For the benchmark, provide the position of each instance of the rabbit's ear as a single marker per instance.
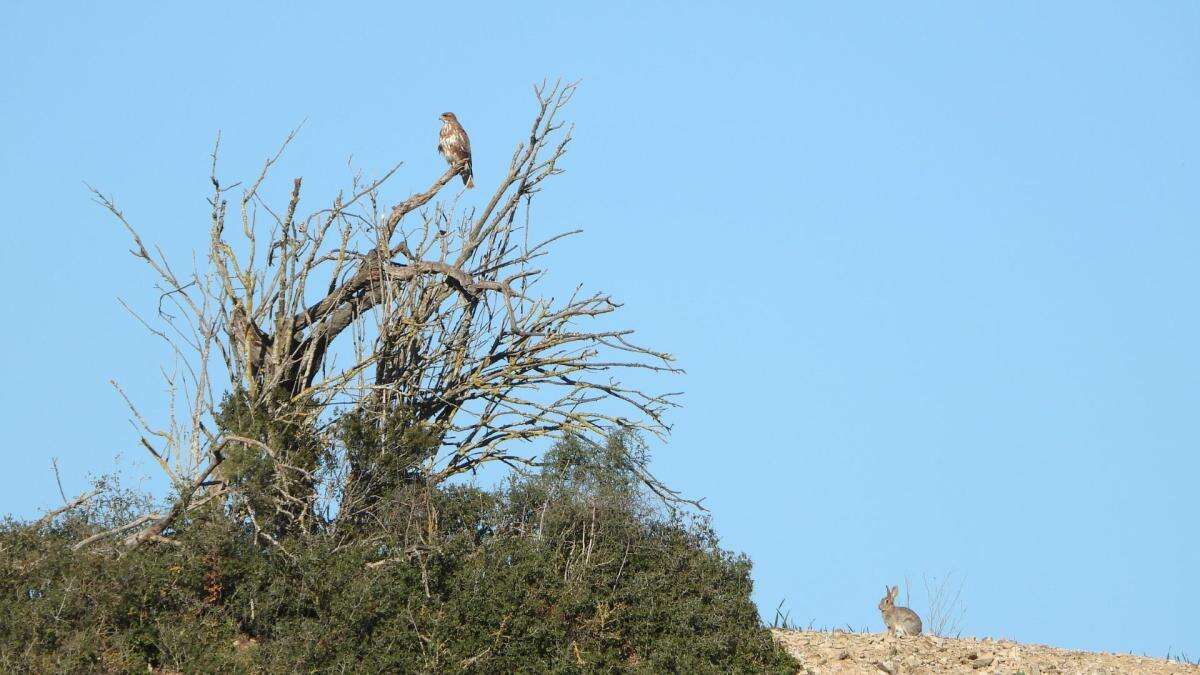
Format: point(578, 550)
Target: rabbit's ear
point(894, 592)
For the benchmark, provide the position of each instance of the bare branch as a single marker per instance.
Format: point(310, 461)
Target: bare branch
point(181, 504)
point(76, 502)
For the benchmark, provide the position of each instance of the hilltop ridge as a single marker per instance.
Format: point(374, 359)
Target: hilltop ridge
point(845, 653)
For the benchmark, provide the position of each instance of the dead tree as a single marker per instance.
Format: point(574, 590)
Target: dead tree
point(423, 321)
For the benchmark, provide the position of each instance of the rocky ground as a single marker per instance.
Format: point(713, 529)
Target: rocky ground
point(822, 652)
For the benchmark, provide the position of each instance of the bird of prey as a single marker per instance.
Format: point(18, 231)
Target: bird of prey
point(456, 147)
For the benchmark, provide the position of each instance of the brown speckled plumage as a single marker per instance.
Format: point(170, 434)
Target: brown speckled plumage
point(455, 146)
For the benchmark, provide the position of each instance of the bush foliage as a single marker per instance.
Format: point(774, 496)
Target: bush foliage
point(571, 569)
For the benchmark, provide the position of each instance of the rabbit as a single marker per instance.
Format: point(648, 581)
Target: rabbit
point(899, 620)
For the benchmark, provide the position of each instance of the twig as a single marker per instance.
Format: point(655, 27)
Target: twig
point(50, 516)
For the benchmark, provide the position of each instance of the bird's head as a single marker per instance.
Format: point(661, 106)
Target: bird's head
point(448, 117)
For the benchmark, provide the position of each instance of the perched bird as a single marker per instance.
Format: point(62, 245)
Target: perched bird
point(456, 147)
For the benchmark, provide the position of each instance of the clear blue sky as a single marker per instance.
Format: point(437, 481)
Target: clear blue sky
point(931, 267)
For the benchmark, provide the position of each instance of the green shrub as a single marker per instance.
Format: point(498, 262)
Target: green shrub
point(572, 569)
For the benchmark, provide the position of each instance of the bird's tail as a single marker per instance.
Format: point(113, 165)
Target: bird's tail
point(468, 178)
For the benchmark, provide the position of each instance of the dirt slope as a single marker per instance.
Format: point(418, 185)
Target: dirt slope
point(874, 653)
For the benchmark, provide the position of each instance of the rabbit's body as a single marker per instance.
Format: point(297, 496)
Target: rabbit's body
point(899, 620)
